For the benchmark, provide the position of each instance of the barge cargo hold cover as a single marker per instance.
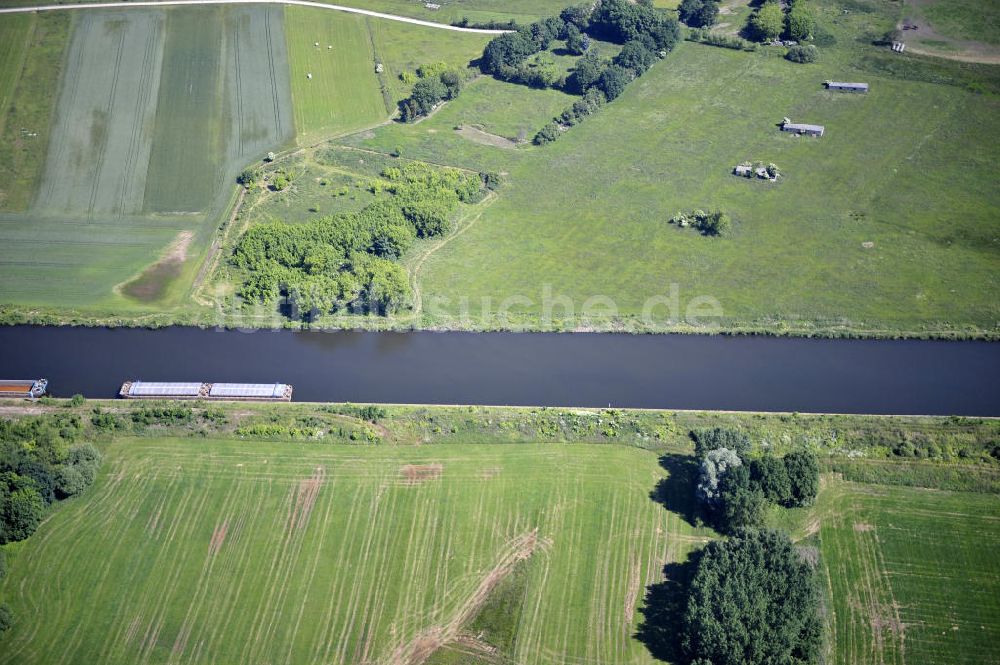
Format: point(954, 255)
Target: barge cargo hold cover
point(33, 388)
point(247, 392)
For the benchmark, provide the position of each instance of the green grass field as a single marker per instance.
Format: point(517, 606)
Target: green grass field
point(964, 19)
point(157, 112)
point(533, 529)
point(15, 40)
point(401, 47)
point(913, 574)
point(343, 94)
point(32, 63)
point(886, 224)
point(211, 551)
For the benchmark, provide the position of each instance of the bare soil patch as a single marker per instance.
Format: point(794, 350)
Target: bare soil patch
point(152, 284)
point(414, 474)
point(477, 135)
point(306, 493)
point(862, 527)
point(218, 537)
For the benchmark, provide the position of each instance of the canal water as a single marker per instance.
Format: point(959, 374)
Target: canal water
point(651, 371)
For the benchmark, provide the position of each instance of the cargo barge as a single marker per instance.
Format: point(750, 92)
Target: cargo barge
point(29, 388)
point(242, 392)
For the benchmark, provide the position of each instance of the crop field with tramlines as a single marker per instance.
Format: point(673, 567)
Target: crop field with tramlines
point(913, 574)
point(156, 112)
point(208, 552)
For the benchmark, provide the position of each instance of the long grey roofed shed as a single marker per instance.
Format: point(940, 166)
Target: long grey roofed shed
point(852, 87)
point(801, 128)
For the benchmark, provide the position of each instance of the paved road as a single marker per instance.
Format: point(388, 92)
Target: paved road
point(301, 3)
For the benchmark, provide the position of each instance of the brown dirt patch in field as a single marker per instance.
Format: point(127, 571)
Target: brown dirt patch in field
point(414, 474)
point(152, 284)
point(421, 647)
point(490, 472)
point(632, 592)
point(477, 135)
point(306, 493)
point(863, 527)
point(218, 537)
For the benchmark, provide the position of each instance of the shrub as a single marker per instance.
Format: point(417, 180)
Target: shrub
point(613, 80)
point(547, 134)
point(249, 176)
point(77, 400)
point(705, 36)
point(770, 475)
point(803, 477)
point(371, 413)
point(6, 618)
point(706, 440)
point(107, 421)
point(802, 54)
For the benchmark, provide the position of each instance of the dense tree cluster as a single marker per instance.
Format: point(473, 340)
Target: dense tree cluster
point(40, 464)
point(769, 22)
point(437, 82)
point(347, 261)
point(737, 488)
point(644, 32)
point(753, 600)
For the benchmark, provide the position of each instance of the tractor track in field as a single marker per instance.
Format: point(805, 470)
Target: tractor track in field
point(300, 3)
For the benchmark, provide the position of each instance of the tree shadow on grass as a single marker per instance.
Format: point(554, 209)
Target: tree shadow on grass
point(662, 626)
point(676, 492)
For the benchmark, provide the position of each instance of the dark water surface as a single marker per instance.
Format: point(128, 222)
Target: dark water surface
point(654, 371)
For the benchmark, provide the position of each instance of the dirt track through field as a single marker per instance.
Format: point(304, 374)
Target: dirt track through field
point(421, 647)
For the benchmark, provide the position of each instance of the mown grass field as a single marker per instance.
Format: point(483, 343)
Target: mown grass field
point(402, 47)
point(343, 93)
point(229, 551)
point(886, 224)
point(963, 19)
point(32, 61)
point(15, 38)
